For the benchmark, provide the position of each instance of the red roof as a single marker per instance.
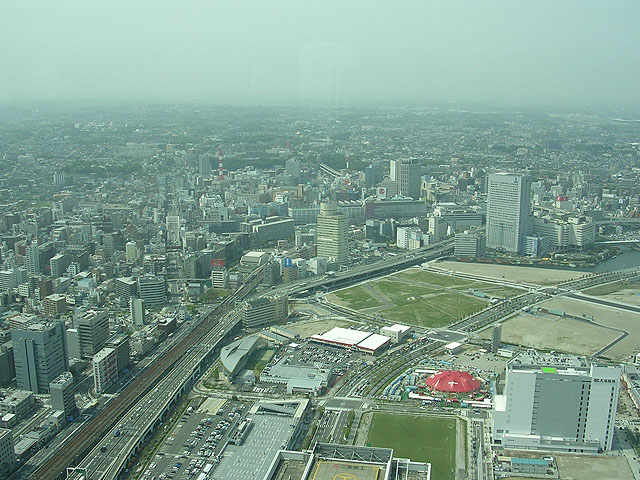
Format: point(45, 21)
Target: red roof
point(453, 381)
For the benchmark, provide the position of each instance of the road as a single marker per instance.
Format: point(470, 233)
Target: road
point(177, 366)
point(103, 425)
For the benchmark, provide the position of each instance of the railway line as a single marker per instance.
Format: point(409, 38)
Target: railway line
point(85, 439)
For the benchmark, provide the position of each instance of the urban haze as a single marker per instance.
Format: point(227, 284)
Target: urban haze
point(319, 240)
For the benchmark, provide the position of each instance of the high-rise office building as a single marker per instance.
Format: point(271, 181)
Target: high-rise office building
point(508, 212)
point(410, 174)
point(7, 454)
point(373, 174)
point(93, 331)
point(332, 233)
point(131, 252)
point(153, 290)
point(394, 170)
point(59, 264)
point(105, 369)
point(204, 165)
point(63, 395)
point(120, 343)
point(126, 287)
point(496, 337)
point(109, 244)
point(40, 354)
point(32, 259)
point(136, 309)
point(557, 402)
point(265, 310)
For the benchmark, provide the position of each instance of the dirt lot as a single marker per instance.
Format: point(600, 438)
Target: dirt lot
point(579, 467)
point(613, 317)
point(552, 332)
point(630, 296)
point(539, 276)
point(306, 328)
point(587, 467)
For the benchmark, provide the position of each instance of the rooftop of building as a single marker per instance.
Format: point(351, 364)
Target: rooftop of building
point(551, 360)
point(397, 328)
point(102, 354)
point(231, 355)
point(39, 325)
point(62, 379)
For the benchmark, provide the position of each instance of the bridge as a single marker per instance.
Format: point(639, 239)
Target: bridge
point(328, 170)
point(105, 445)
point(618, 242)
point(617, 221)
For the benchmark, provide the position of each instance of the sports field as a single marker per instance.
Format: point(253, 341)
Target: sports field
point(418, 297)
point(418, 437)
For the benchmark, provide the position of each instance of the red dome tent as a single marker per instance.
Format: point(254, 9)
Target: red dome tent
point(453, 381)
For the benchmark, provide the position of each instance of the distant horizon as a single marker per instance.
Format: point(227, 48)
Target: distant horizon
point(472, 107)
point(540, 54)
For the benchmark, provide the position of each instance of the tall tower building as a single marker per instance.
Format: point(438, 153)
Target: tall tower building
point(508, 212)
point(204, 165)
point(557, 402)
point(496, 337)
point(105, 369)
point(394, 170)
point(93, 331)
point(332, 231)
point(8, 461)
point(40, 355)
point(63, 395)
point(409, 182)
point(32, 259)
point(136, 308)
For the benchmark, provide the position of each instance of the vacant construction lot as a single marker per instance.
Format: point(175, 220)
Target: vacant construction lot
point(612, 317)
point(554, 333)
point(514, 273)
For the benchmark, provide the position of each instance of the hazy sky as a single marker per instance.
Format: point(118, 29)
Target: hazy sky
point(583, 53)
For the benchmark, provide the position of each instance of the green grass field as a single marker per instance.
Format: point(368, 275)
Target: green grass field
point(357, 298)
point(423, 298)
point(420, 438)
point(435, 311)
point(461, 284)
point(434, 278)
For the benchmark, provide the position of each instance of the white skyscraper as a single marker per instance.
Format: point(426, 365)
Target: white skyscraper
point(394, 170)
point(557, 402)
point(508, 212)
point(31, 259)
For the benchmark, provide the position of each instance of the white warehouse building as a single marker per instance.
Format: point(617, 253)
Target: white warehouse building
point(557, 402)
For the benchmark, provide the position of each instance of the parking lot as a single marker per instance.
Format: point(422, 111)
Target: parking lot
point(195, 444)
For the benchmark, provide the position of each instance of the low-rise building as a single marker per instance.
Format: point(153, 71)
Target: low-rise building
point(396, 332)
